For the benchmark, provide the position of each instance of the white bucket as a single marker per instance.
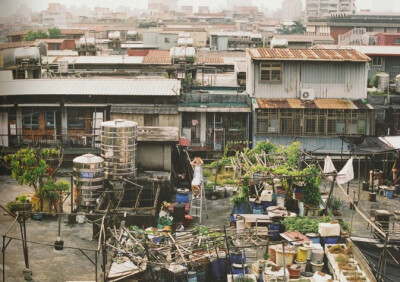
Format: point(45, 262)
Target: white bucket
point(80, 217)
point(280, 201)
point(302, 265)
point(317, 256)
point(289, 255)
point(317, 266)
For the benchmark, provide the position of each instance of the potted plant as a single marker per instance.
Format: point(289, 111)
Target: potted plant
point(21, 203)
point(52, 191)
point(336, 203)
point(240, 200)
point(35, 167)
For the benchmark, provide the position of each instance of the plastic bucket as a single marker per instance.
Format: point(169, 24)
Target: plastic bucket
point(80, 217)
point(280, 200)
point(330, 239)
point(389, 193)
point(317, 256)
point(302, 265)
point(182, 196)
point(317, 266)
point(272, 253)
point(258, 209)
point(192, 277)
point(314, 237)
point(289, 255)
point(238, 268)
point(397, 189)
point(241, 209)
point(218, 268)
point(302, 253)
point(294, 271)
point(266, 204)
point(179, 212)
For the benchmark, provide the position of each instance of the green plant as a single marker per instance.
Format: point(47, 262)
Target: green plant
point(53, 190)
point(229, 181)
point(265, 256)
point(19, 204)
point(33, 35)
point(244, 279)
point(336, 203)
point(342, 259)
point(304, 224)
point(344, 225)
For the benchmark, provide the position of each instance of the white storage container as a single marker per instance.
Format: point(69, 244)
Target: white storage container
point(266, 195)
point(329, 229)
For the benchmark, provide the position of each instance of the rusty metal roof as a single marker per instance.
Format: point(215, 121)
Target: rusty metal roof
point(307, 54)
point(327, 104)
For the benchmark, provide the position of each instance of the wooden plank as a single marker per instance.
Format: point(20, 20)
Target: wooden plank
point(158, 133)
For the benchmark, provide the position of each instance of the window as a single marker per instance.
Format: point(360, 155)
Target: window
point(270, 72)
point(166, 40)
point(30, 118)
point(397, 41)
point(76, 117)
point(376, 61)
point(49, 118)
point(151, 120)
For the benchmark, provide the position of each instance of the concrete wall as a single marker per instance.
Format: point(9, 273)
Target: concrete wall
point(163, 120)
point(154, 156)
point(171, 37)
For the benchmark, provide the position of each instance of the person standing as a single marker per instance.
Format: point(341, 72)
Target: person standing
point(197, 165)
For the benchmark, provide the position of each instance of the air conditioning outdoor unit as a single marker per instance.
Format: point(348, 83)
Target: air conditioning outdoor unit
point(307, 94)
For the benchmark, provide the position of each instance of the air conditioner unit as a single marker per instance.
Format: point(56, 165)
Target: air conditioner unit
point(307, 94)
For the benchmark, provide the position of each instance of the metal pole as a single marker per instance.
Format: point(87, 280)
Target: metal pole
point(3, 250)
point(352, 213)
point(95, 265)
point(72, 193)
point(229, 255)
point(284, 262)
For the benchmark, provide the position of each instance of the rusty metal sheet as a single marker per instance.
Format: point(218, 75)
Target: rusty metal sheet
point(326, 104)
point(307, 54)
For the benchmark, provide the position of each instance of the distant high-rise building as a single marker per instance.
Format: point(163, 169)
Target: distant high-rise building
point(163, 5)
point(291, 10)
point(324, 8)
point(204, 10)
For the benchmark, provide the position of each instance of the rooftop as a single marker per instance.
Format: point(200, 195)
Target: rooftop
point(369, 50)
point(121, 87)
point(337, 55)
point(303, 38)
point(326, 104)
point(16, 44)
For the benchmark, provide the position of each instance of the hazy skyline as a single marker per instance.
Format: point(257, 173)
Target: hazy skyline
point(9, 7)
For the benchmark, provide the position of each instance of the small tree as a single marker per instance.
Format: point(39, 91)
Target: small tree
point(33, 35)
point(54, 32)
point(36, 167)
point(298, 28)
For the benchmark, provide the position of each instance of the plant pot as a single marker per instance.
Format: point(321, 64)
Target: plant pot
point(336, 213)
point(37, 216)
point(59, 245)
point(27, 274)
point(372, 197)
point(294, 271)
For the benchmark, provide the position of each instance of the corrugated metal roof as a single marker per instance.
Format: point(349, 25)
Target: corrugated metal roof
point(366, 49)
point(125, 87)
point(157, 57)
point(307, 54)
point(327, 104)
point(303, 38)
point(100, 60)
point(145, 109)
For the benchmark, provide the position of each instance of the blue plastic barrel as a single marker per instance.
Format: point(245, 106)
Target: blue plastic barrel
point(238, 269)
point(182, 197)
point(241, 209)
point(192, 276)
point(389, 194)
point(330, 240)
point(274, 229)
point(218, 269)
point(267, 204)
point(237, 258)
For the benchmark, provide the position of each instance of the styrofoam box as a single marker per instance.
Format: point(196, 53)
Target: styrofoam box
point(328, 229)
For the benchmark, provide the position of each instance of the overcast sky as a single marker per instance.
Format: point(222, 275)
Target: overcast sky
point(8, 7)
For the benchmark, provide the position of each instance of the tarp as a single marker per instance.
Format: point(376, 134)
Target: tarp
point(372, 145)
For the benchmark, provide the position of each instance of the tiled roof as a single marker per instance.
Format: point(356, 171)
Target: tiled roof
point(157, 57)
point(327, 104)
point(307, 54)
point(16, 44)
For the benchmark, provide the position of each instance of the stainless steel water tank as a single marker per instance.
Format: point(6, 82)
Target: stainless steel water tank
point(88, 179)
point(27, 54)
point(398, 83)
point(383, 81)
point(118, 148)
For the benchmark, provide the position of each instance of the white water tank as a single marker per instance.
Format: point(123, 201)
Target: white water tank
point(182, 52)
point(114, 35)
point(27, 54)
point(383, 81)
point(86, 41)
point(398, 83)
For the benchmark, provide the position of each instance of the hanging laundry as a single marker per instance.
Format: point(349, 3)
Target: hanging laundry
point(347, 172)
point(329, 167)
